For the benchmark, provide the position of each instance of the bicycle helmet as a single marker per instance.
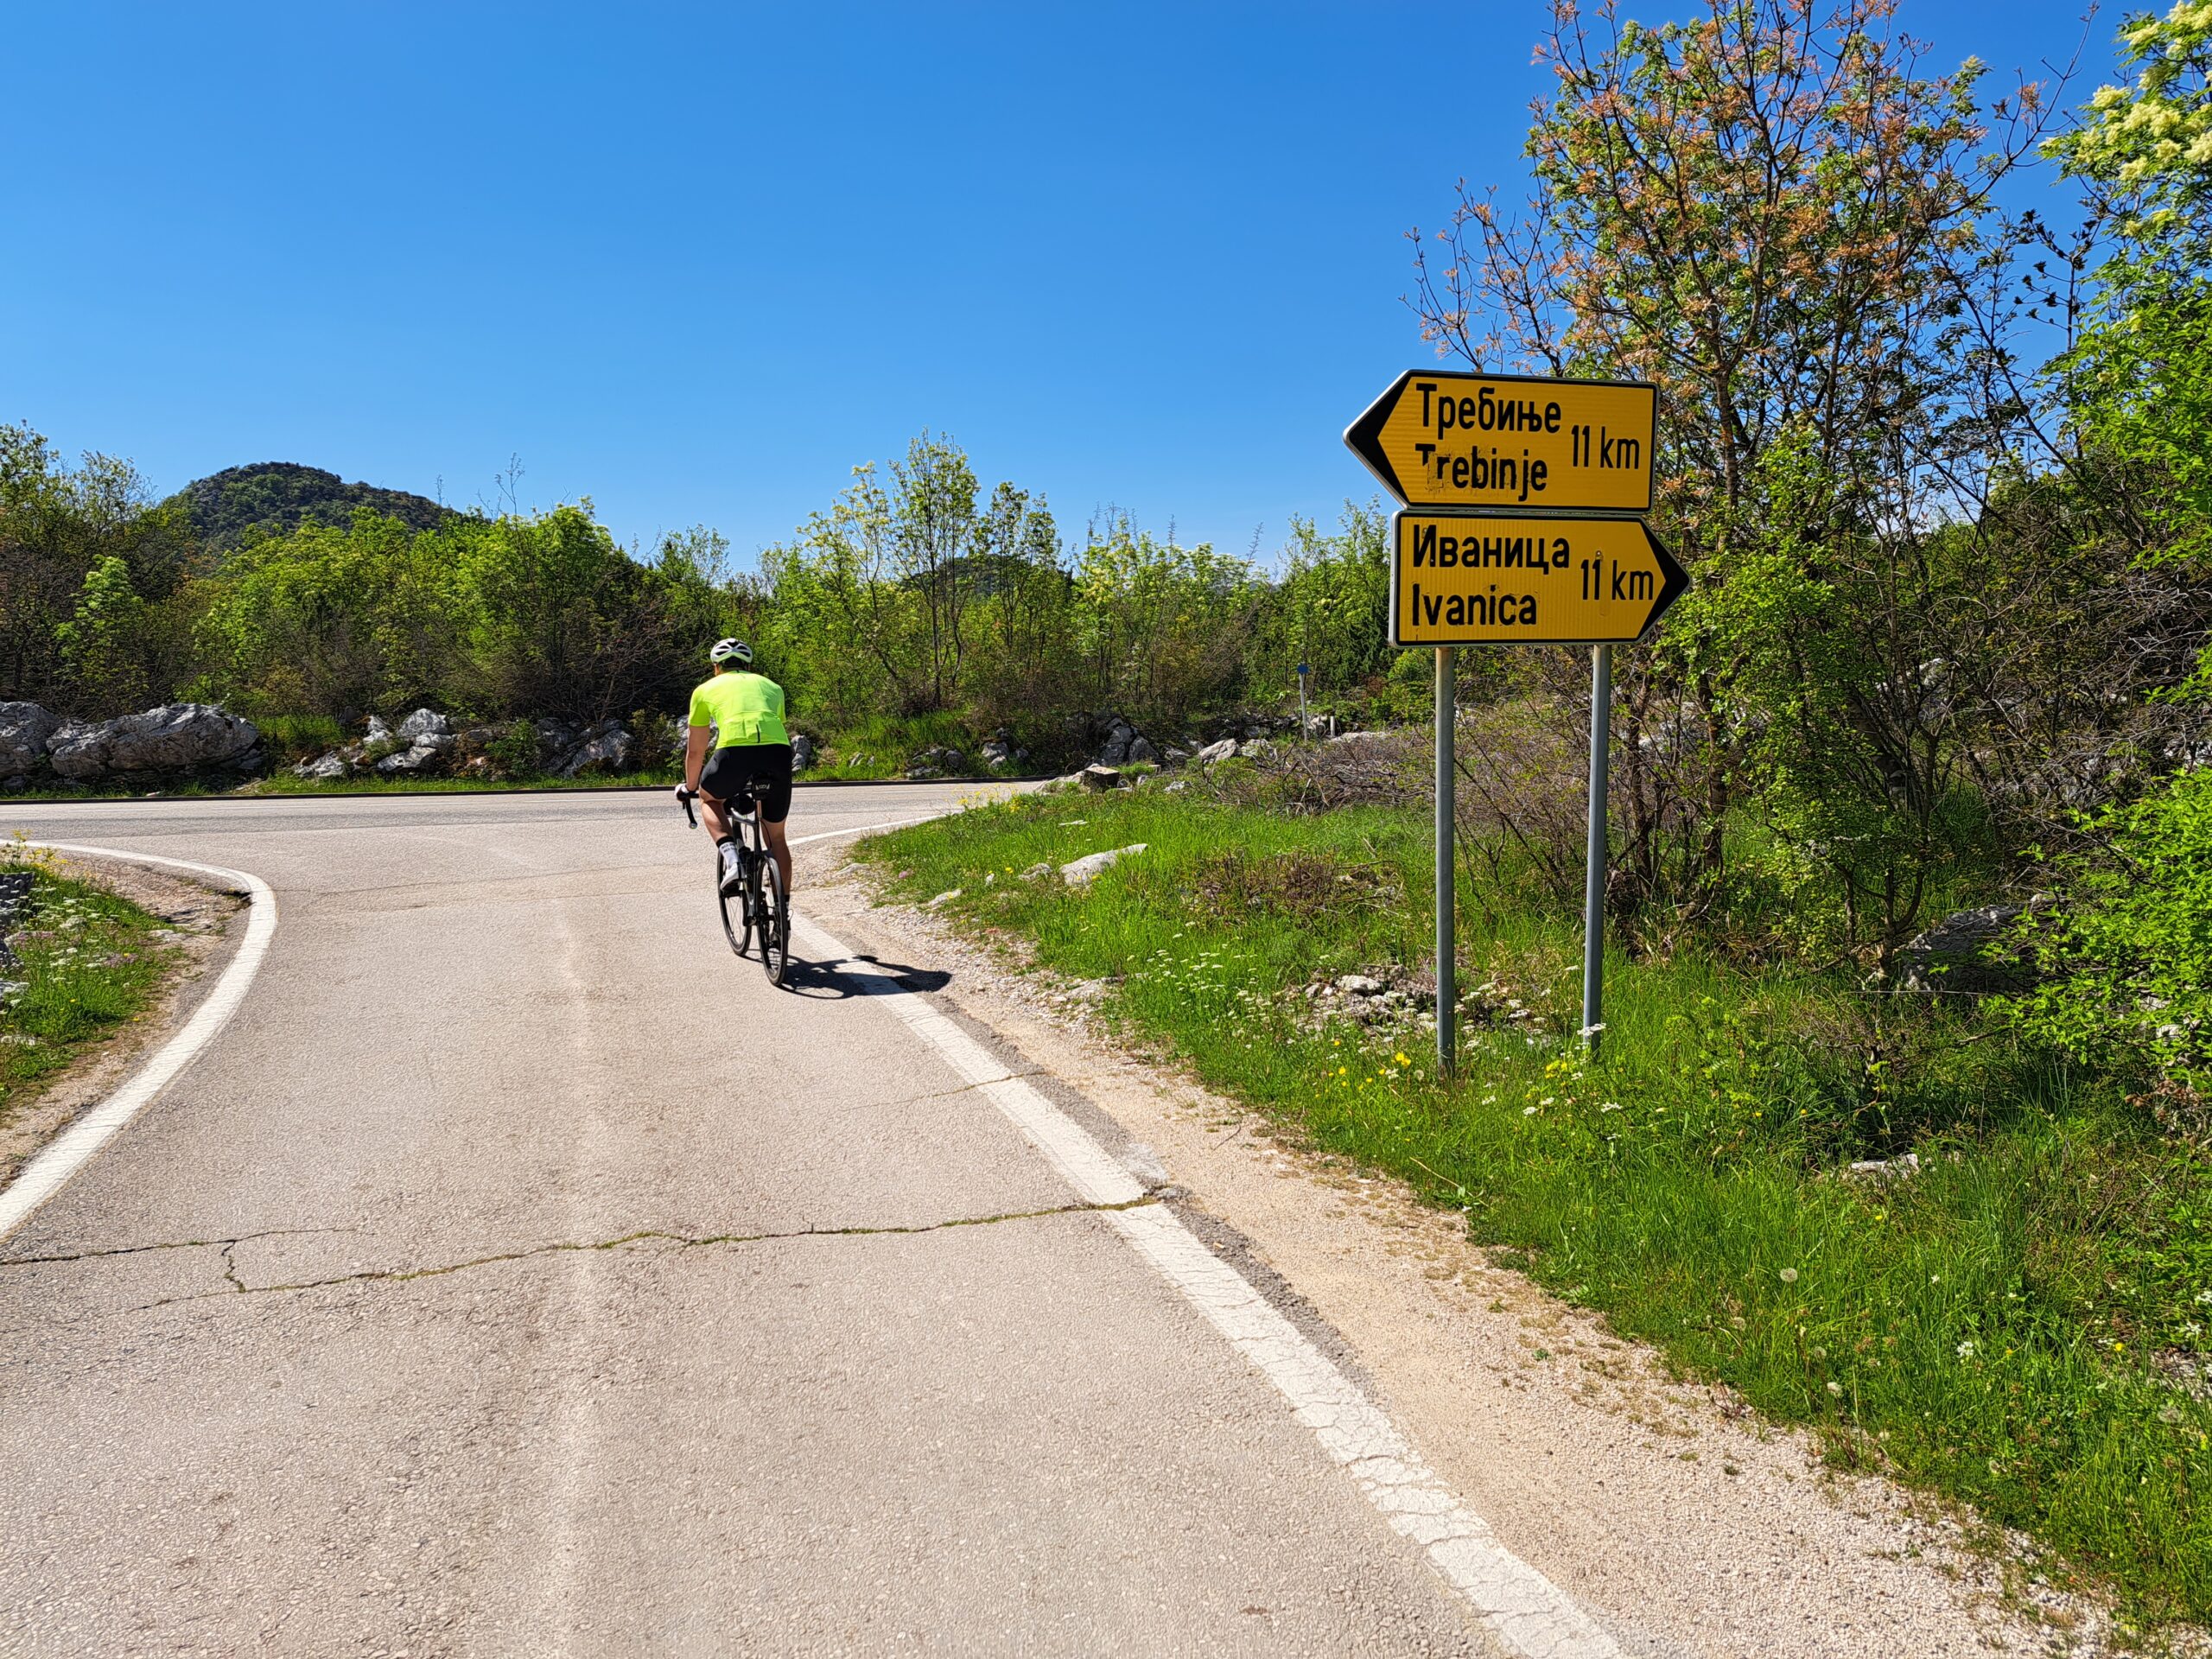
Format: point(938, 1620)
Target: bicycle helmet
point(731, 651)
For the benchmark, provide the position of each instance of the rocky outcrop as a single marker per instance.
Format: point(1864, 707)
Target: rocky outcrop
point(1971, 951)
point(801, 751)
point(175, 737)
point(430, 741)
point(601, 748)
point(24, 727)
point(427, 745)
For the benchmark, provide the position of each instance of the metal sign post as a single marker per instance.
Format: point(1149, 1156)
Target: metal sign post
point(1593, 884)
point(1447, 946)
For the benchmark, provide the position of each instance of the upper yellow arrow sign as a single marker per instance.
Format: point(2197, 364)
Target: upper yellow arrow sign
point(1447, 440)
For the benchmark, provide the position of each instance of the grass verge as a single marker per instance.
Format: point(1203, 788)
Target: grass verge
point(2018, 1322)
point(89, 964)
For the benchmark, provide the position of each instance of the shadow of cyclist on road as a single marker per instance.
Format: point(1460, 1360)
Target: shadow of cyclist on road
point(823, 982)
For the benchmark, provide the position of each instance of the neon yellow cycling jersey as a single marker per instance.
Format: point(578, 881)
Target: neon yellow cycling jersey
point(743, 708)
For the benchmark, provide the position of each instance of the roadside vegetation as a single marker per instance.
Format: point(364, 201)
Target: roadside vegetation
point(87, 963)
point(2010, 1311)
point(919, 613)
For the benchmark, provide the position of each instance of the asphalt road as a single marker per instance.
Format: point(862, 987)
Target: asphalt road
point(518, 1273)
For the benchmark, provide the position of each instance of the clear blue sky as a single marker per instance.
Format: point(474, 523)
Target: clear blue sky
point(696, 262)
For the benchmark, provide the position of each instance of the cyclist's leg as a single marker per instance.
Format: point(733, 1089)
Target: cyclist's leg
point(779, 848)
point(723, 776)
point(717, 821)
point(776, 805)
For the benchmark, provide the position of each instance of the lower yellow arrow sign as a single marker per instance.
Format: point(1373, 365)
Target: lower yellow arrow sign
point(1460, 579)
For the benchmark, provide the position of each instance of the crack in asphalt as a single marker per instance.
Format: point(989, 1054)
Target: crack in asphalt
point(677, 1241)
point(224, 1244)
point(954, 1093)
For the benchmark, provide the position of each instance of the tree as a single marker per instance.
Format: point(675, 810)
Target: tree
point(102, 642)
point(60, 526)
point(1775, 216)
point(1160, 628)
point(2140, 379)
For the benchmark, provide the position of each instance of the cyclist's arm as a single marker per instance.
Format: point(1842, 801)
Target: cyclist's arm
point(694, 754)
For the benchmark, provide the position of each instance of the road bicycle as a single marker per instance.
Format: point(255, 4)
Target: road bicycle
point(764, 910)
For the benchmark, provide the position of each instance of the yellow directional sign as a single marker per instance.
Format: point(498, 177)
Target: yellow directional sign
point(1448, 440)
point(1522, 579)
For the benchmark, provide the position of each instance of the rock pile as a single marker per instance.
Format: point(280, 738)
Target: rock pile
point(1395, 1003)
point(174, 739)
point(1000, 755)
point(427, 745)
point(1119, 744)
point(937, 763)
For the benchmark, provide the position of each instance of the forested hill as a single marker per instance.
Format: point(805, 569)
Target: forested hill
point(277, 497)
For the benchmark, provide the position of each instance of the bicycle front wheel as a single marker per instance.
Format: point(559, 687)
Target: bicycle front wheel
point(775, 923)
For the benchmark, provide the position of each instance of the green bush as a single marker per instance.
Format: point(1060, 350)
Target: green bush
point(2128, 944)
point(514, 750)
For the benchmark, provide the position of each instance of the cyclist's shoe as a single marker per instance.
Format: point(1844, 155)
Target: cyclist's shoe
point(733, 868)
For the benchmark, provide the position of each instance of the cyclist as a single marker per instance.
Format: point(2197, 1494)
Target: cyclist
point(752, 750)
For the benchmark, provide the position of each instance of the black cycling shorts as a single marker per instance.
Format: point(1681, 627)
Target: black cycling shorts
point(764, 768)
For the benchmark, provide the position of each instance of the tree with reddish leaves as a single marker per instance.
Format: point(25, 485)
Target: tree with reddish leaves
point(1780, 217)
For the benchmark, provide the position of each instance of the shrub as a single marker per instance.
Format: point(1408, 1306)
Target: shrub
point(514, 750)
point(2128, 947)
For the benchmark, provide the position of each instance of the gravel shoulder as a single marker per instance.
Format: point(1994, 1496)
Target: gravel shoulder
point(1667, 1507)
point(200, 918)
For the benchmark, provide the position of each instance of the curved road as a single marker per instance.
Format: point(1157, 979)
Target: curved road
point(519, 1274)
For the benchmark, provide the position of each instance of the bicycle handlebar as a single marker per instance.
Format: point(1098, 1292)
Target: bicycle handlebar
point(687, 797)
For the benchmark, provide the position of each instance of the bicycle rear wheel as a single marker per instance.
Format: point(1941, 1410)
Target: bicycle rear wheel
point(738, 930)
point(775, 922)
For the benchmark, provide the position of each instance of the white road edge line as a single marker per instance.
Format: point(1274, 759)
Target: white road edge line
point(1523, 1608)
point(64, 1156)
point(865, 828)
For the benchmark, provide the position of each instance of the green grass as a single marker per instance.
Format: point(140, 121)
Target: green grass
point(1992, 1329)
point(299, 737)
point(90, 965)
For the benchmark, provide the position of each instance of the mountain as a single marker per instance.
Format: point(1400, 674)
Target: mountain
point(277, 496)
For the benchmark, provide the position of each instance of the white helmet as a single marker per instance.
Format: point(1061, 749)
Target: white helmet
point(731, 651)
